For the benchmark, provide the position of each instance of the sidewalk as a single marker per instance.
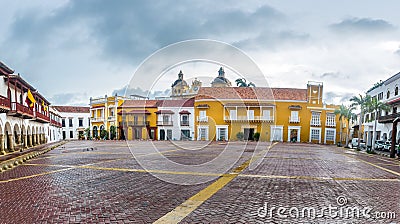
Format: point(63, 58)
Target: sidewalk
point(38, 149)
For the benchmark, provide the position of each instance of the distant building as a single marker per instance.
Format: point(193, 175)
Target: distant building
point(74, 121)
point(180, 88)
point(221, 80)
point(55, 127)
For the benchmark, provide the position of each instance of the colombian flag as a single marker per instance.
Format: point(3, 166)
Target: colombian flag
point(44, 106)
point(30, 100)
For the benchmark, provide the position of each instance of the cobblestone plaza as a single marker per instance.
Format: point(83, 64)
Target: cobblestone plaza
point(102, 182)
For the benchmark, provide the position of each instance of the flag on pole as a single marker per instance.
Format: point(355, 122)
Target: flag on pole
point(30, 100)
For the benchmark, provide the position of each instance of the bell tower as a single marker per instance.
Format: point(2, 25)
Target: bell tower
point(314, 92)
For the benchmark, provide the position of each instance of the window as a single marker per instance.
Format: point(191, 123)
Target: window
point(315, 134)
point(266, 114)
point(330, 119)
point(380, 96)
point(388, 94)
point(169, 134)
point(71, 134)
point(394, 110)
point(135, 120)
point(330, 135)
point(367, 118)
point(233, 114)
point(70, 122)
point(378, 135)
point(203, 114)
point(396, 91)
point(63, 123)
point(222, 133)
point(294, 116)
point(250, 114)
point(315, 118)
point(185, 120)
point(80, 122)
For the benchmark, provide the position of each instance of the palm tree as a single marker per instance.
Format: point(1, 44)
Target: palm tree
point(243, 83)
point(342, 111)
point(351, 117)
point(375, 106)
point(362, 102)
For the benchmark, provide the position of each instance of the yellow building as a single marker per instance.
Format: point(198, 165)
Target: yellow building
point(137, 119)
point(103, 115)
point(277, 114)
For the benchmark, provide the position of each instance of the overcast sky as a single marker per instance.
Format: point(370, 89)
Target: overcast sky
point(72, 50)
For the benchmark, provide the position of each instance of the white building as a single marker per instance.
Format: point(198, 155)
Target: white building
point(24, 115)
point(74, 121)
point(54, 127)
point(388, 92)
point(175, 119)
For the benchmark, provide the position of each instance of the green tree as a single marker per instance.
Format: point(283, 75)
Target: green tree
point(241, 82)
point(112, 132)
point(345, 115)
point(375, 106)
point(362, 102)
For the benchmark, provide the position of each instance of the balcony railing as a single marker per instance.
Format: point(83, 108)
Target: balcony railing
point(55, 123)
point(20, 110)
point(5, 104)
point(388, 118)
point(294, 119)
point(134, 123)
point(41, 117)
point(111, 118)
point(330, 123)
point(184, 123)
point(97, 119)
point(249, 119)
point(202, 119)
point(164, 123)
point(315, 123)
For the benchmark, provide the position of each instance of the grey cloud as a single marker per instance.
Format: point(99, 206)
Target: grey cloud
point(364, 25)
point(134, 29)
point(337, 97)
point(138, 91)
point(331, 76)
point(77, 99)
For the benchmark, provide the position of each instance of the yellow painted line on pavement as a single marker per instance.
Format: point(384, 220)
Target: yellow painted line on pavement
point(35, 175)
point(372, 164)
point(191, 204)
point(318, 178)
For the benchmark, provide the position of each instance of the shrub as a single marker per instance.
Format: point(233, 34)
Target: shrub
point(256, 136)
point(240, 136)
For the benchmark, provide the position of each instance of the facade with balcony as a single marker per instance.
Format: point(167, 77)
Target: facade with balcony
point(104, 117)
point(137, 120)
point(24, 113)
point(277, 114)
point(175, 119)
point(55, 127)
point(388, 92)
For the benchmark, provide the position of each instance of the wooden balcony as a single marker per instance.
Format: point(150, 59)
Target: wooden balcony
point(19, 110)
point(5, 104)
point(388, 118)
point(55, 123)
point(249, 119)
point(39, 117)
point(133, 123)
point(164, 123)
point(294, 119)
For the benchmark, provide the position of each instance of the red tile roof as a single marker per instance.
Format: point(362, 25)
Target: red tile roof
point(72, 109)
point(140, 103)
point(252, 93)
point(134, 112)
point(177, 103)
point(184, 112)
point(164, 112)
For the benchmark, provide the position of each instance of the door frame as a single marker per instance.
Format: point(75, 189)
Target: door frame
point(280, 127)
point(298, 128)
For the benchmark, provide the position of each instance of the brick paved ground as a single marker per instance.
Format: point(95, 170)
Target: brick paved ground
point(102, 182)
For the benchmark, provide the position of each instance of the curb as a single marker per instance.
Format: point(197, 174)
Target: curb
point(14, 162)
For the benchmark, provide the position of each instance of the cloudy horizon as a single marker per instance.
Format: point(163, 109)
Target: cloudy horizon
point(73, 50)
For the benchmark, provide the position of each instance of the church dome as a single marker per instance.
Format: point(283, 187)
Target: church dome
point(179, 81)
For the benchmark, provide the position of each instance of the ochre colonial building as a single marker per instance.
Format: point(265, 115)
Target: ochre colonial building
point(277, 114)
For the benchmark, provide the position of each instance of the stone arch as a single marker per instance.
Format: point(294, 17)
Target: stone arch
point(95, 132)
point(17, 134)
point(8, 138)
